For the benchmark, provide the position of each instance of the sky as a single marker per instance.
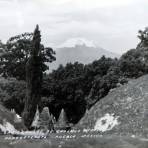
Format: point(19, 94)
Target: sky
point(110, 24)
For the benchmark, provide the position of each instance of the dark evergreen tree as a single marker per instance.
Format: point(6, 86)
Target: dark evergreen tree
point(34, 74)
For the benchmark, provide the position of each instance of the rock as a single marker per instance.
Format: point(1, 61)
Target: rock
point(8, 121)
point(122, 111)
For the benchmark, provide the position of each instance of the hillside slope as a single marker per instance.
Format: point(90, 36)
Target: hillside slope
point(123, 110)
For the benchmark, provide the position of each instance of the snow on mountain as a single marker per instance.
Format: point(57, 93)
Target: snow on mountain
point(76, 41)
point(81, 50)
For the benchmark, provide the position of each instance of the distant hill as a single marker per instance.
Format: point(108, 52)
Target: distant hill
point(79, 50)
point(123, 111)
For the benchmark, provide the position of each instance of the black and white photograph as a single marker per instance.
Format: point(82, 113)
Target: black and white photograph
point(73, 74)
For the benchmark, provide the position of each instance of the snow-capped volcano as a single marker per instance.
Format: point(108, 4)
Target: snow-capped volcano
point(79, 50)
point(77, 42)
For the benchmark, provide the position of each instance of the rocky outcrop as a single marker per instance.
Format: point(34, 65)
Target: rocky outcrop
point(123, 111)
point(9, 121)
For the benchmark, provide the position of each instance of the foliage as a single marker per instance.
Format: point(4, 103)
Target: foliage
point(12, 94)
point(70, 86)
point(102, 85)
point(34, 75)
point(143, 36)
point(97, 68)
point(133, 64)
point(16, 53)
point(66, 90)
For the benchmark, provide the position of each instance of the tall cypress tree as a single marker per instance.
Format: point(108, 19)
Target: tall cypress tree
point(34, 74)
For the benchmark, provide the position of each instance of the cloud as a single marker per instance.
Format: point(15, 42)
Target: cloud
point(87, 4)
point(112, 24)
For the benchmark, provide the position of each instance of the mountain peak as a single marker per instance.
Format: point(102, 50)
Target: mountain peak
point(74, 42)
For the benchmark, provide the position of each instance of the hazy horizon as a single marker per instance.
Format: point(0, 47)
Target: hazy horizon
point(110, 24)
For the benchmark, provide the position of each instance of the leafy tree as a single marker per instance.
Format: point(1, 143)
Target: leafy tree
point(98, 67)
point(66, 90)
point(103, 84)
point(17, 50)
point(143, 36)
point(133, 64)
point(12, 94)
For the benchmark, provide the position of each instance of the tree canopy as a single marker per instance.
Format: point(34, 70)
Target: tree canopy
point(16, 52)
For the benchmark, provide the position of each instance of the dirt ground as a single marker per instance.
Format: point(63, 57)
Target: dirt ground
point(78, 142)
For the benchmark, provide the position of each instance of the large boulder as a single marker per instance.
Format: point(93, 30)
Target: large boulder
point(123, 111)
